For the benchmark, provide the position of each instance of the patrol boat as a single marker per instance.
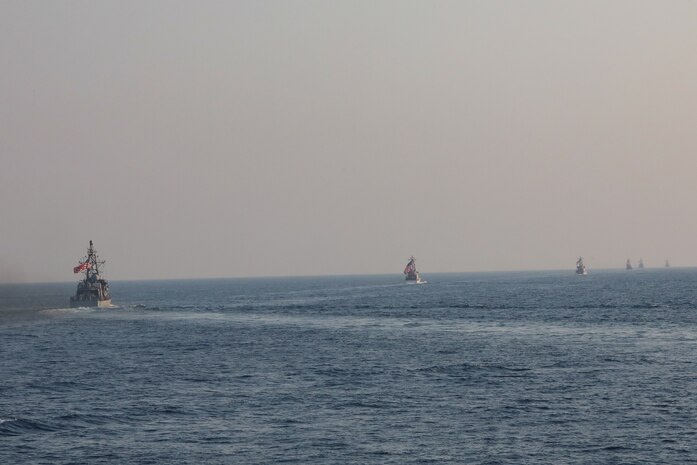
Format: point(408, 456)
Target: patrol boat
point(93, 290)
point(580, 267)
point(411, 275)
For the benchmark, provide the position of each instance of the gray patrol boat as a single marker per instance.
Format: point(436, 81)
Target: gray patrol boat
point(411, 275)
point(93, 290)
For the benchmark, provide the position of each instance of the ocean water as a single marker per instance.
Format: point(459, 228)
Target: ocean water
point(497, 368)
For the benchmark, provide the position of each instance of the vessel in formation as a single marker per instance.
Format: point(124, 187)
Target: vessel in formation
point(411, 274)
point(581, 267)
point(582, 270)
point(92, 290)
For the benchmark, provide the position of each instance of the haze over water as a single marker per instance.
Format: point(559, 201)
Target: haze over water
point(255, 138)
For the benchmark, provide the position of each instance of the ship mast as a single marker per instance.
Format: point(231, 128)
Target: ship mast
point(93, 261)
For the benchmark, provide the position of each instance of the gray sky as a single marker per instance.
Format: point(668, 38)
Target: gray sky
point(201, 139)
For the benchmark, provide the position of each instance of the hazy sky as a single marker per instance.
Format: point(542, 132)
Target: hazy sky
point(235, 138)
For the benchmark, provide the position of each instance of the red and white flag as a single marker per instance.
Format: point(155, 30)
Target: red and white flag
point(81, 267)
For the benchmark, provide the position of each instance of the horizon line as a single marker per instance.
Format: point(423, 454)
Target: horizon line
point(339, 275)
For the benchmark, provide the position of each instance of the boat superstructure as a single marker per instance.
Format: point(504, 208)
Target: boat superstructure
point(411, 274)
point(581, 267)
point(628, 266)
point(93, 290)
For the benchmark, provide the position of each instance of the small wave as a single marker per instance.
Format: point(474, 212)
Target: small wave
point(17, 426)
point(646, 306)
point(480, 306)
point(178, 308)
point(459, 368)
point(140, 307)
point(615, 448)
point(83, 420)
point(66, 311)
point(367, 405)
point(288, 421)
point(410, 324)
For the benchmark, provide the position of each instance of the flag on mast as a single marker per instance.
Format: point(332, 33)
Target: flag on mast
point(82, 267)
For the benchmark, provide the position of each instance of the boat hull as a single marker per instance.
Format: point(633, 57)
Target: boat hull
point(76, 302)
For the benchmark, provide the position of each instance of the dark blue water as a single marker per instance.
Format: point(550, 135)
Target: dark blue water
point(519, 368)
